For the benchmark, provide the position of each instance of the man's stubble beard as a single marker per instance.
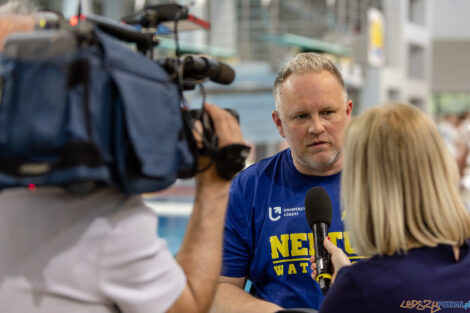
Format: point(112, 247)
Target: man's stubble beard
point(319, 165)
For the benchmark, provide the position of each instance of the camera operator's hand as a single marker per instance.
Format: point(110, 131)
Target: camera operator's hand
point(226, 126)
point(200, 255)
point(228, 132)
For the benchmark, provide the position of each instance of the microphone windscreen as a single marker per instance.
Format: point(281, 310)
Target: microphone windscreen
point(226, 74)
point(317, 206)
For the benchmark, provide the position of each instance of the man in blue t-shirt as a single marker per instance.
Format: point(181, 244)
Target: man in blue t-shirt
point(267, 238)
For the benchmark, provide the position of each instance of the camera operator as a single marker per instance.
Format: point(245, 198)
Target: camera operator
point(100, 252)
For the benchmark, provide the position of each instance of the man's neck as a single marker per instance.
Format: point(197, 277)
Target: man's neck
point(326, 171)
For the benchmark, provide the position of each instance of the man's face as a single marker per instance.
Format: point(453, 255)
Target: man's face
point(312, 117)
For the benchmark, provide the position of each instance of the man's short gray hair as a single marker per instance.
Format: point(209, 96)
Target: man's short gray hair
point(17, 7)
point(305, 63)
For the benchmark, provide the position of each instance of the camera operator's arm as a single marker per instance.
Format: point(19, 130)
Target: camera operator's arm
point(201, 252)
point(231, 297)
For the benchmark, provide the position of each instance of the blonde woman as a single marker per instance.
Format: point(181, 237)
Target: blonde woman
point(400, 192)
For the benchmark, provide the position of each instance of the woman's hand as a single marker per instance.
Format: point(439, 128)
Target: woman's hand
point(338, 259)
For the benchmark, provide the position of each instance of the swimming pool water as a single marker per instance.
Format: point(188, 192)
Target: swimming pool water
point(172, 229)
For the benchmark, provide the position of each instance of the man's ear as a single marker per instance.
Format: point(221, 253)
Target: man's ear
point(278, 122)
point(349, 108)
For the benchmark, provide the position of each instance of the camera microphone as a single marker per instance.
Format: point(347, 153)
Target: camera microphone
point(318, 213)
point(200, 67)
point(197, 67)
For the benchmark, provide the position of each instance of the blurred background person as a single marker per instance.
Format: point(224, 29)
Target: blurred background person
point(464, 133)
point(448, 128)
point(452, 133)
point(403, 209)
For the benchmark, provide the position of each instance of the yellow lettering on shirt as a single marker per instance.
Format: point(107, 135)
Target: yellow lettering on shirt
point(311, 250)
point(279, 246)
point(304, 267)
point(347, 244)
point(334, 236)
point(293, 251)
point(292, 269)
point(296, 242)
point(279, 270)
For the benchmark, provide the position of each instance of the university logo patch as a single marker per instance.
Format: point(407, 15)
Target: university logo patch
point(275, 213)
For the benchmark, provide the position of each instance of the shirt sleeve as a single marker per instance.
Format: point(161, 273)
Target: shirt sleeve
point(345, 295)
point(236, 251)
point(138, 272)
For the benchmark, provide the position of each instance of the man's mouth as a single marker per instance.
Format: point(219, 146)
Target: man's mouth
point(317, 143)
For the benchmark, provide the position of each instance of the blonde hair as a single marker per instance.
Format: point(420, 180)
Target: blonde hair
point(399, 183)
point(305, 63)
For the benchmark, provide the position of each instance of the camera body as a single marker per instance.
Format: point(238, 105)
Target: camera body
point(40, 45)
point(78, 106)
point(98, 112)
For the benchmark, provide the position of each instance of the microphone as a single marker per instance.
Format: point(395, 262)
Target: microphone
point(200, 67)
point(318, 213)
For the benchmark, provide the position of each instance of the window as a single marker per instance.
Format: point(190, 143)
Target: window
point(416, 11)
point(415, 61)
point(393, 95)
point(417, 102)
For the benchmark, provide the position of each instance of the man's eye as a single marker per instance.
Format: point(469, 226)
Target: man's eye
point(300, 116)
point(328, 112)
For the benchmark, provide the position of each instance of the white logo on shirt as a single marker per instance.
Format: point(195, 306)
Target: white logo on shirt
point(277, 212)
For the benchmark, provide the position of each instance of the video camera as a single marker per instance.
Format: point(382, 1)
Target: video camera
point(79, 107)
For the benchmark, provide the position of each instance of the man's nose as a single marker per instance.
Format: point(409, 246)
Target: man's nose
point(316, 126)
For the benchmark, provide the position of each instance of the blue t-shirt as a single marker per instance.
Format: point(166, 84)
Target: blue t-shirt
point(267, 237)
point(424, 280)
